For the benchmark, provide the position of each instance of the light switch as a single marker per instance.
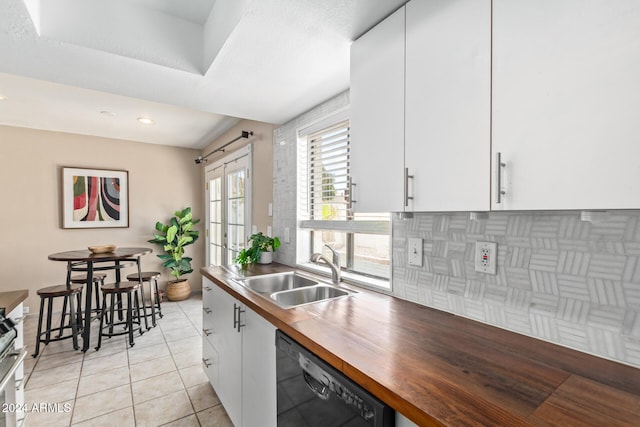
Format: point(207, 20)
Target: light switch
point(270, 209)
point(287, 238)
point(415, 251)
point(269, 231)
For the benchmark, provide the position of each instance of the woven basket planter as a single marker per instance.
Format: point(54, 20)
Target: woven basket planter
point(178, 291)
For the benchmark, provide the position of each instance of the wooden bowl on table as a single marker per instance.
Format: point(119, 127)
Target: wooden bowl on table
point(102, 249)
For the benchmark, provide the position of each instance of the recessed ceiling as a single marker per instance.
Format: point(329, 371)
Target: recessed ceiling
point(194, 66)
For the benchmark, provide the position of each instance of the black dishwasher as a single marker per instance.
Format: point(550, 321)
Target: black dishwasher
point(311, 393)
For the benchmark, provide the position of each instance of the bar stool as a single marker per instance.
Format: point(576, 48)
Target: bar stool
point(98, 279)
point(47, 295)
point(148, 276)
point(115, 291)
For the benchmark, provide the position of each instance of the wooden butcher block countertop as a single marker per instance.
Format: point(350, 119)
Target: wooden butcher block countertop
point(440, 369)
point(10, 299)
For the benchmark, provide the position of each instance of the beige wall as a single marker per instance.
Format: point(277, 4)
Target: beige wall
point(161, 180)
point(262, 147)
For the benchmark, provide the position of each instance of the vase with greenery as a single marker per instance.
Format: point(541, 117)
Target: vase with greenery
point(260, 251)
point(173, 238)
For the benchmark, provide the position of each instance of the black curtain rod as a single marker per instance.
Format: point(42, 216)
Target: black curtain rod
point(245, 134)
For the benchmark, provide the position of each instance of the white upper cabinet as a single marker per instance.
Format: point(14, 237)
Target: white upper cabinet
point(448, 104)
point(566, 103)
point(377, 117)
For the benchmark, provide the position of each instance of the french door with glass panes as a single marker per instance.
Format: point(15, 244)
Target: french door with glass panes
point(228, 190)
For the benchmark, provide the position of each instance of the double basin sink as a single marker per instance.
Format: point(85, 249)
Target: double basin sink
point(291, 289)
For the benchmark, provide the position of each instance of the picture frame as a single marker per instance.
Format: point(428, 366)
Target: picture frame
point(95, 198)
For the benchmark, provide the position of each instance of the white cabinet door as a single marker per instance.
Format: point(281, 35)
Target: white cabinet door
point(259, 395)
point(377, 117)
point(448, 104)
point(566, 100)
point(227, 343)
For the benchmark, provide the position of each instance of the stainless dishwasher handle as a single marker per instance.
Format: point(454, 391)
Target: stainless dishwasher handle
point(321, 393)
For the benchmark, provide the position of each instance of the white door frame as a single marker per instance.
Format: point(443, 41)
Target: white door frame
point(210, 169)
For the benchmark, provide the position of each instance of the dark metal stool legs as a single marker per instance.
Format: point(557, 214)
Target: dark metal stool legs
point(112, 301)
point(47, 295)
point(150, 277)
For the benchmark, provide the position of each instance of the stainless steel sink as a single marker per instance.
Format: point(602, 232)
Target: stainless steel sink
point(296, 297)
point(291, 289)
point(270, 283)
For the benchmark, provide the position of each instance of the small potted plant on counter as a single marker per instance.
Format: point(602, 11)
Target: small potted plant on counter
point(260, 251)
point(264, 246)
point(173, 238)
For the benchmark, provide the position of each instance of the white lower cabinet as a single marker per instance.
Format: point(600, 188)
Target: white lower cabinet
point(239, 358)
point(14, 394)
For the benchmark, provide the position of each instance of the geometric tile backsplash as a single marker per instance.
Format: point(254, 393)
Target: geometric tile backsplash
point(559, 279)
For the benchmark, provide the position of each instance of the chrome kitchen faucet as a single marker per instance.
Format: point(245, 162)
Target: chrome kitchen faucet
point(334, 266)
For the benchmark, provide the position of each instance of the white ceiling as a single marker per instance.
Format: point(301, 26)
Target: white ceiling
point(194, 66)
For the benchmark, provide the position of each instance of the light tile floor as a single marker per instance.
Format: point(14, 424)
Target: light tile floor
point(157, 382)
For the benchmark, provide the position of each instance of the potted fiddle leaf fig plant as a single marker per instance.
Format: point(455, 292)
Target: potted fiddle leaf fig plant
point(173, 238)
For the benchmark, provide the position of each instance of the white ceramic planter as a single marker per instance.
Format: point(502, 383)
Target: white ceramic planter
point(265, 258)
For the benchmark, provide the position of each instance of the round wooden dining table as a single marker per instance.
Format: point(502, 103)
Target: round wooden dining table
point(86, 261)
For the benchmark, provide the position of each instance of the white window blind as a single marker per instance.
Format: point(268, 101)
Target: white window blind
point(329, 173)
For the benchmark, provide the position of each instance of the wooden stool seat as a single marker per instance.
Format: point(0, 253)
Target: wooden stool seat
point(68, 293)
point(146, 276)
point(149, 276)
point(59, 291)
point(115, 291)
point(116, 288)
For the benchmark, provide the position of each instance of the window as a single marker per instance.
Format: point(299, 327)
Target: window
point(325, 207)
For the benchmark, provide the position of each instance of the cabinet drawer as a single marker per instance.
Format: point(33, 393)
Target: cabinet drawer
point(210, 363)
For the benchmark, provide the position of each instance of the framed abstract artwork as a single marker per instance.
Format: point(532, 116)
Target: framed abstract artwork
point(95, 198)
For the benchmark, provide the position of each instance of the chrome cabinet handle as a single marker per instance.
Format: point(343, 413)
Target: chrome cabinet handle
point(19, 320)
point(406, 187)
point(206, 363)
point(237, 323)
point(207, 332)
point(498, 174)
point(207, 288)
point(351, 199)
point(206, 310)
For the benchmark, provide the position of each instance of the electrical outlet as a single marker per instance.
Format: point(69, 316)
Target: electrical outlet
point(415, 251)
point(485, 259)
